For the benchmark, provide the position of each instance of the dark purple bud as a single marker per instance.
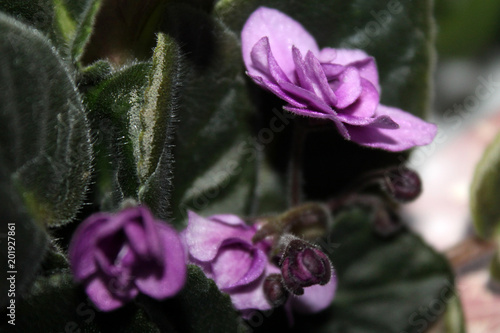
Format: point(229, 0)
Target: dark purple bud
point(403, 185)
point(303, 265)
point(275, 292)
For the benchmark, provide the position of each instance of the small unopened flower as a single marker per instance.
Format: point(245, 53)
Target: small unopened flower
point(116, 256)
point(222, 246)
point(402, 184)
point(340, 85)
point(304, 265)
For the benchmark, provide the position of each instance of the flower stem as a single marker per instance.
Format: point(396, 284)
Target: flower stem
point(295, 168)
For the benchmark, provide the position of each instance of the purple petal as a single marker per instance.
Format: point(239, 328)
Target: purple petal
point(412, 131)
point(315, 298)
point(307, 96)
point(320, 83)
point(141, 232)
point(251, 297)
point(300, 69)
point(357, 58)
point(265, 62)
point(238, 264)
point(283, 33)
point(348, 88)
point(99, 292)
point(204, 236)
point(275, 89)
point(367, 103)
point(379, 122)
point(82, 247)
point(172, 278)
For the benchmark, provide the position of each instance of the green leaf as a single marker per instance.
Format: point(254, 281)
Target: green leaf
point(466, 27)
point(39, 14)
point(112, 103)
point(395, 284)
point(200, 307)
point(156, 125)
point(63, 20)
point(84, 29)
point(485, 191)
point(214, 151)
point(44, 131)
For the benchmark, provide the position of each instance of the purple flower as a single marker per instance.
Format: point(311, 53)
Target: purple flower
point(336, 84)
point(118, 255)
point(222, 246)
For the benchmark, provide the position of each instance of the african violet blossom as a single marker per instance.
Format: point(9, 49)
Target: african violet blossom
point(336, 84)
point(116, 256)
point(222, 246)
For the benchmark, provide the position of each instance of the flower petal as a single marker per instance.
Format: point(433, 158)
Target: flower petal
point(304, 95)
point(412, 131)
point(82, 247)
point(347, 88)
point(204, 236)
point(264, 61)
point(251, 298)
point(316, 298)
point(169, 281)
point(367, 103)
point(99, 291)
point(275, 89)
point(283, 32)
point(379, 122)
point(320, 83)
point(237, 264)
point(141, 232)
point(357, 58)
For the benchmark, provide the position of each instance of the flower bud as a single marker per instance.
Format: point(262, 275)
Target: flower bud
point(275, 292)
point(303, 265)
point(403, 185)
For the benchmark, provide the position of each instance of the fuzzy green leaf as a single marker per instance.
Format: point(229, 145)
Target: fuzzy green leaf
point(485, 191)
point(83, 30)
point(155, 127)
point(112, 104)
point(44, 131)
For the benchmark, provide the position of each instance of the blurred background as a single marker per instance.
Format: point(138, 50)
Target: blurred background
point(467, 110)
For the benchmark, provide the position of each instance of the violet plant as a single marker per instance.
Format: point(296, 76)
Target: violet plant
point(204, 166)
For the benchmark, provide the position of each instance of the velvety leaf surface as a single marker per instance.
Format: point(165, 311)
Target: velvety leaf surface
point(214, 149)
point(44, 130)
point(111, 104)
point(485, 191)
point(200, 307)
point(395, 284)
point(155, 125)
point(83, 28)
point(38, 14)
